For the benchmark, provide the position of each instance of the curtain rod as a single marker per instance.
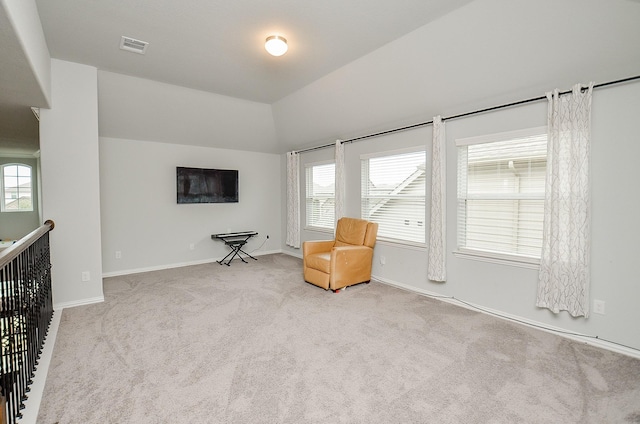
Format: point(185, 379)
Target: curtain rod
point(462, 115)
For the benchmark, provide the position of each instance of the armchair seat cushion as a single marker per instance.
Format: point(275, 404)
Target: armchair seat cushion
point(320, 261)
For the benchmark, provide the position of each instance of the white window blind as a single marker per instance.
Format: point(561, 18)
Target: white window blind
point(501, 184)
point(320, 195)
point(16, 188)
point(393, 195)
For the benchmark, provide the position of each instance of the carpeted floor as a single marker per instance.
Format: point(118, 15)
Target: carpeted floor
point(253, 343)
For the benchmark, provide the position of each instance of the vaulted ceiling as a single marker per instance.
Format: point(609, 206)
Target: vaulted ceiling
point(218, 45)
point(209, 45)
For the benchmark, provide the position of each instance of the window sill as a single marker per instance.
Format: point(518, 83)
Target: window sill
point(319, 229)
point(497, 258)
point(401, 243)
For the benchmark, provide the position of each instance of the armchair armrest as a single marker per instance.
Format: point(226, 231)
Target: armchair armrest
point(316, 246)
point(350, 263)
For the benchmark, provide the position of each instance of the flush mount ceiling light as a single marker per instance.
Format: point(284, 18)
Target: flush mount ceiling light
point(276, 45)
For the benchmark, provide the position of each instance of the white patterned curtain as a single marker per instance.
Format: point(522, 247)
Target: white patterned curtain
point(293, 199)
point(564, 278)
point(339, 181)
point(436, 269)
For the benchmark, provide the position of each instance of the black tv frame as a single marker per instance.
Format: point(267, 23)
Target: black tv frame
point(204, 185)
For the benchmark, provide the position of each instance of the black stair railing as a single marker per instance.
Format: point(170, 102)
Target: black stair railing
point(26, 309)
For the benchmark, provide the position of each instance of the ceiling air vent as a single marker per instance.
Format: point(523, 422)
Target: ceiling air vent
point(132, 45)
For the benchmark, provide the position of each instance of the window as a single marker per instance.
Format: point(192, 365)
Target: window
point(393, 194)
point(501, 184)
point(16, 188)
point(320, 195)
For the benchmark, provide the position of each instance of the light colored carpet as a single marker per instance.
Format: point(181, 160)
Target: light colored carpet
point(253, 343)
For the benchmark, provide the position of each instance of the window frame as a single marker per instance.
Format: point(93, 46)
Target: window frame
point(363, 193)
point(307, 226)
point(514, 259)
point(3, 199)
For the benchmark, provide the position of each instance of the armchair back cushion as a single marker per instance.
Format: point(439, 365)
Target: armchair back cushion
point(351, 232)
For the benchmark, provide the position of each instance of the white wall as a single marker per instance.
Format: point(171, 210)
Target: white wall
point(615, 206)
point(141, 219)
point(25, 21)
point(139, 109)
point(70, 182)
point(15, 225)
point(488, 53)
point(510, 289)
point(483, 54)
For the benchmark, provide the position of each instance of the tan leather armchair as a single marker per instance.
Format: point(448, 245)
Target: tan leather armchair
point(345, 261)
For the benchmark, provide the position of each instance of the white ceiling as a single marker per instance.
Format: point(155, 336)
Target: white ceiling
point(218, 45)
point(18, 91)
point(210, 45)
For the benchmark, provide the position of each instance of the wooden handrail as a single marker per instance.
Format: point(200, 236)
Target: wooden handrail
point(12, 252)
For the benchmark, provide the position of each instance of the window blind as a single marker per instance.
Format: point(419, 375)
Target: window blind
point(320, 195)
point(501, 188)
point(393, 195)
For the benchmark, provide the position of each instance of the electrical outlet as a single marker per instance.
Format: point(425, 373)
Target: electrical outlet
point(192, 246)
point(598, 307)
point(383, 260)
point(86, 276)
point(118, 254)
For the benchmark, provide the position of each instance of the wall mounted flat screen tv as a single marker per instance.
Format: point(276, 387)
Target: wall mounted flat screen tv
point(200, 185)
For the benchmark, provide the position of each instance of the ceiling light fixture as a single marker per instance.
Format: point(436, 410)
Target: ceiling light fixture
point(276, 45)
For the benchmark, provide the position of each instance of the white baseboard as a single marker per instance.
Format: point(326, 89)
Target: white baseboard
point(177, 265)
point(81, 302)
point(294, 254)
point(587, 339)
point(32, 404)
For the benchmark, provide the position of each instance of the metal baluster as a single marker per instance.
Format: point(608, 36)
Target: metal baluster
point(26, 309)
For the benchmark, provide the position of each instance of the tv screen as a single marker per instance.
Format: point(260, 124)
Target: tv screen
point(199, 185)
